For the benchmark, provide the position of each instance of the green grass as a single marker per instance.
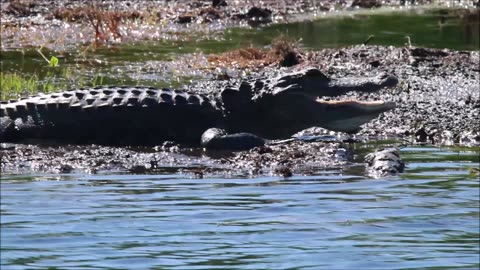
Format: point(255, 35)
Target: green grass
point(14, 85)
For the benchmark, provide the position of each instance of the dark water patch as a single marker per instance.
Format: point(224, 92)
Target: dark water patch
point(451, 29)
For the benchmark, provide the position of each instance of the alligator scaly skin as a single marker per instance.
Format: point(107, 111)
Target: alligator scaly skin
point(110, 115)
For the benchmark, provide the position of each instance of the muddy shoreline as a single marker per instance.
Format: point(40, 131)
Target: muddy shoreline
point(438, 98)
point(438, 102)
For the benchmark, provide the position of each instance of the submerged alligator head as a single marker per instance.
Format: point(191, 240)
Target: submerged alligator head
point(292, 102)
point(273, 108)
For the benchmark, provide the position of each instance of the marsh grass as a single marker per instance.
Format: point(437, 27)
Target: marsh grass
point(14, 85)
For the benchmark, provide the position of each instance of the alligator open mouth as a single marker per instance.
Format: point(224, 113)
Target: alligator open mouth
point(349, 115)
point(302, 94)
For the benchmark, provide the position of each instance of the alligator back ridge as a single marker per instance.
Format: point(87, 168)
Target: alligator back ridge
point(110, 115)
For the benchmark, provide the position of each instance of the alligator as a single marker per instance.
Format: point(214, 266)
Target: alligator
point(238, 116)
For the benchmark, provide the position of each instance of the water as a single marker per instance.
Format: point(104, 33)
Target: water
point(426, 218)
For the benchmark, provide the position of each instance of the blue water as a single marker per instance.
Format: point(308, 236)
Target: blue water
point(425, 218)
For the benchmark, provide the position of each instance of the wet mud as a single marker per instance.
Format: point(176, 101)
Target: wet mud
point(283, 160)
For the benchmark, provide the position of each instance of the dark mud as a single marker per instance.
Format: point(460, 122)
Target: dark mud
point(285, 159)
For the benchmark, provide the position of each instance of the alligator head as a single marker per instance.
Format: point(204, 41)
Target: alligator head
point(290, 103)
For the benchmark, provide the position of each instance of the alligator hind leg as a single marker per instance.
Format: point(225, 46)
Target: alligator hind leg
point(215, 138)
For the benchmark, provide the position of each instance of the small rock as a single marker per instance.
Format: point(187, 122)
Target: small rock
point(384, 162)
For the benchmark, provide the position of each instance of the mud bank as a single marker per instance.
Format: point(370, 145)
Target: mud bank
point(297, 157)
point(438, 102)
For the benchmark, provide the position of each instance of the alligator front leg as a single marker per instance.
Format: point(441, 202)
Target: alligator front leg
point(215, 138)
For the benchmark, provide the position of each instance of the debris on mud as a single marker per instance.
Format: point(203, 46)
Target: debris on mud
point(283, 52)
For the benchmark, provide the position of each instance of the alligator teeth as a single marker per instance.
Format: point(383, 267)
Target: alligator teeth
point(364, 105)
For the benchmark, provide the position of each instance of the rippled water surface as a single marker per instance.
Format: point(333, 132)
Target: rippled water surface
point(425, 218)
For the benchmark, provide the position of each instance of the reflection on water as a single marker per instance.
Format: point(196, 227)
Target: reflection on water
point(440, 29)
point(427, 217)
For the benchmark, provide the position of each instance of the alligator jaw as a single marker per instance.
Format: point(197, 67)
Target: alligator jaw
point(366, 106)
point(349, 115)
